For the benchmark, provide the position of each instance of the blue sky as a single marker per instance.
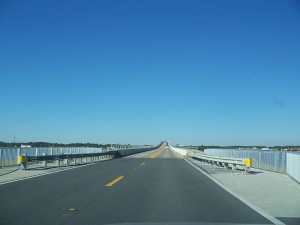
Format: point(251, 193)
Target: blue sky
point(192, 72)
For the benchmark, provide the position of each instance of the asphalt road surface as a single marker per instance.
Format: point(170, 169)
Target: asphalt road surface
point(150, 187)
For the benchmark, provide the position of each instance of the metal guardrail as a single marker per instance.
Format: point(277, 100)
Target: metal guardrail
point(265, 160)
point(220, 161)
point(23, 160)
point(223, 161)
point(9, 156)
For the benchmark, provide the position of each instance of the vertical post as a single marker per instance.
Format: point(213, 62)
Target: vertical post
point(44, 163)
point(233, 167)
point(1, 157)
point(36, 151)
point(259, 159)
point(66, 161)
point(275, 163)
point(18, 153)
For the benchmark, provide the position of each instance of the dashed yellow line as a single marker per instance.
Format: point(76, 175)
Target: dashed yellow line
point(114, 181)
point(154, 155)
point(72, 209)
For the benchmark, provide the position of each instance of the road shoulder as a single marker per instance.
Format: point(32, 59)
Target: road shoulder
point(276, 194)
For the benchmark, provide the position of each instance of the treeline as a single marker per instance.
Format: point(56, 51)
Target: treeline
point(47, 144)
point(287, 147)
point(202, 147)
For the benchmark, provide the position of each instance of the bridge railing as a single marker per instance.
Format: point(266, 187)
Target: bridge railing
point(223, 161)
point(217, 160)
point(293, 165)
point(24, 159)
point(9, 156)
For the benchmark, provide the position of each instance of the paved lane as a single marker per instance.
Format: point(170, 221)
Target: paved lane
point(156, 186)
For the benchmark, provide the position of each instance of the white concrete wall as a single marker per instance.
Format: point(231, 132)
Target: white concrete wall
point(293, 165)
point(180, 151)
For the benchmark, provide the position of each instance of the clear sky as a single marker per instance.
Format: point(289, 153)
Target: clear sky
point(139, 72)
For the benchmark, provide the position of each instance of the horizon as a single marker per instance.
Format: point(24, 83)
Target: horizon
point(133, 144)
point(193, 72)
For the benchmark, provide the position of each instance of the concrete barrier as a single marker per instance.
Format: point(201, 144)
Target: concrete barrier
point(293, 166)
point(180, 151)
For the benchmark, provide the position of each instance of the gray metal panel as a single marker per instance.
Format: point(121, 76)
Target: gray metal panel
point(293, 166)
point(9, 156)
point(266, 160)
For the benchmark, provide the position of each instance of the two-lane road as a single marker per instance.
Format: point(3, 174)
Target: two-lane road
point(156, 186)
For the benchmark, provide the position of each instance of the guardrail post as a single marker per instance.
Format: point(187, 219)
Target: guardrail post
point(1, 154)
point(248, 164)
point(66, 161)
point(44, 163)
point(233, 167)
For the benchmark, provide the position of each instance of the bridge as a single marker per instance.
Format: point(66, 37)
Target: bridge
point(157, 186)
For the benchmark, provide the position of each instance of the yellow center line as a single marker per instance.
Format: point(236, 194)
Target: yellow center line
point(154, 155)
point(114, 181)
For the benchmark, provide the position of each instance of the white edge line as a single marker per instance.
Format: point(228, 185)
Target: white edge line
point(57, 171)
point(251, 205)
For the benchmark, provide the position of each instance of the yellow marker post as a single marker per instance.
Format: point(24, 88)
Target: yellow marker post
point(22, 160)
point(248, 164)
